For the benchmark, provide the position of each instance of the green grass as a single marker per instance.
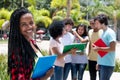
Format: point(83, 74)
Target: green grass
point(5, 76)
point(117, 66)
point(3, 67)
point(3, 41)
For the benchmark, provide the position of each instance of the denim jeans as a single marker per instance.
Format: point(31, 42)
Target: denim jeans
point(58, 73)
point(67, 69)
point(92, 69)
point(78, 70)
point(105, 72)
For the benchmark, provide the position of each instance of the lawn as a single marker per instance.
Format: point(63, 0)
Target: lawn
point(3, 67)
point(5, 76)
point(3, 41)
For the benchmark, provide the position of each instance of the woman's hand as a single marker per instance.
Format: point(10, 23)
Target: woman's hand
point(73, 51)
point(48, 74)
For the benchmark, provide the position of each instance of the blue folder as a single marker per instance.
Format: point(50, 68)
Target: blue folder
point(43, 65)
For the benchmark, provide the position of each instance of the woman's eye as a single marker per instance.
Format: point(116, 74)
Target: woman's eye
point(31, 23)
point(23, 25)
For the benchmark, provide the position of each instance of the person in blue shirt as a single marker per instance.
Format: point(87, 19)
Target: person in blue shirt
point(106, 63)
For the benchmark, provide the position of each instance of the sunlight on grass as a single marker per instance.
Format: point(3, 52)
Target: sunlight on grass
point(3, 41)
point(3, 67)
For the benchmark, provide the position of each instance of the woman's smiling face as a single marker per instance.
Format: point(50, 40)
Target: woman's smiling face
point(27, 25)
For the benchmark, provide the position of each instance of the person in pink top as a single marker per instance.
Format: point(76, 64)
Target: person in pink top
point(56, 31)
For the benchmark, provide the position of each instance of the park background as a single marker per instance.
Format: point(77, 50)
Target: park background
point(45, 11)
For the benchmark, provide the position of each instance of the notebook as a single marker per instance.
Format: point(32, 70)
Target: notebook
point(101, 43)
point(79, 46)
point(43, 65)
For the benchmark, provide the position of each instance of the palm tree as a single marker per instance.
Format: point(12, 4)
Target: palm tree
point(68, 8)
point(22, 3)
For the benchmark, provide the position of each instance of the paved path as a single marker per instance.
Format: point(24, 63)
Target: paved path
point(45, 45)
point(115, 76)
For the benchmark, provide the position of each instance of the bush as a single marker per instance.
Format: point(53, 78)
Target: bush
point(1, 22)
point(4, 14)
point(3, 68)
point(44, 20)
point(117, 66)
point(44, 12)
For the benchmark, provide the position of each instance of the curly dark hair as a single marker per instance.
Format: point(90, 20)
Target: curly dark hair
point(17, 43)
point(56, 29)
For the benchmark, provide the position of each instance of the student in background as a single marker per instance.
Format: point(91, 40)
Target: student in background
point(22, 50)
point(79, 61)
point(67, 39)
point(94, 34)
point(106, 63)
point(56, 30)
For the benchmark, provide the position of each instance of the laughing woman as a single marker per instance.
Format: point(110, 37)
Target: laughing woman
point(22, 50)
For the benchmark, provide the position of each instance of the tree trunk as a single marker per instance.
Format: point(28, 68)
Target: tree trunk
point(115, 21)
point(22, 3)
point(68, 8)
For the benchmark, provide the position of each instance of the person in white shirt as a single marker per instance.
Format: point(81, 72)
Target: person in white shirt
point(67, 39)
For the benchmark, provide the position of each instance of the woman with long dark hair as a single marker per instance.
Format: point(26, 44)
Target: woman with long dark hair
point(22, 50)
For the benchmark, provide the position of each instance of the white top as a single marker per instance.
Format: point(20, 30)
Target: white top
point(80, 58)
point(67, 39)
point(53, 43)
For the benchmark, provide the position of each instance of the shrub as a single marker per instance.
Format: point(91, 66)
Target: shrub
point(1, 22)
point(57, 18)
point(4, 14)
point(44, 20)
point(117, 66)
point(44, 12)
point(3, 68)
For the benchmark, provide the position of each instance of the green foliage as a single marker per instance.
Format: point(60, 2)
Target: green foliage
point(76, 6)
point(116, 4)
point(32, 2)
point(83, 22)
point(1, 22)
point(3, 68)
point(41, 17)
point(32, 9)
point(118, 14)
point(46, 21)
point(117, 66)
point(76, 16)
point(57, 18)
point(44, 12)
point(61, 13)
point(4, 14)
point(58, 3)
